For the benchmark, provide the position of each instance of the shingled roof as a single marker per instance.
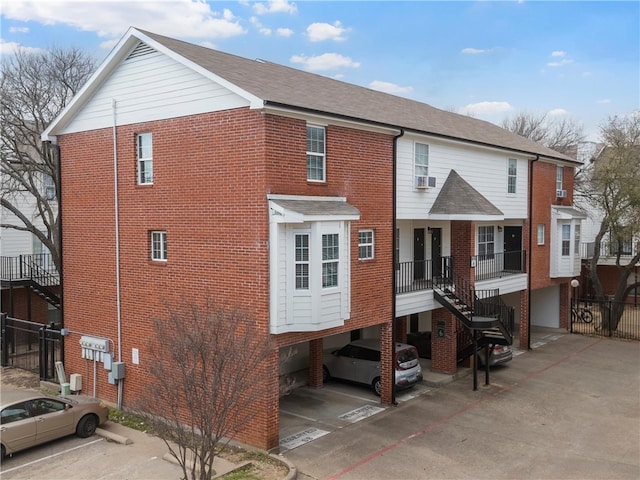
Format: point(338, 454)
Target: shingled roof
point(457, 197)
point(279, 85)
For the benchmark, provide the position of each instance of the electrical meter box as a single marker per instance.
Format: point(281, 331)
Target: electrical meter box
point(117, 370)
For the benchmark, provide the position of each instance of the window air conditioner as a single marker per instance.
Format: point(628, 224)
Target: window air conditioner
point(561, 193)
point(423, 182)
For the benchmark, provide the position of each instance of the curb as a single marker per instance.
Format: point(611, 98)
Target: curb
point(114, 437)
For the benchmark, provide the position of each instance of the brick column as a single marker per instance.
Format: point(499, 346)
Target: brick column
point(524, 320)
point(386, 363)
point(315, 363)
point(443, 348)
point(565, 305)
point(462, 249)
point(401, 329)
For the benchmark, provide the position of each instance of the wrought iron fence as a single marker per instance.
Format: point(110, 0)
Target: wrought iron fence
point(605, 318)
point(496, 265)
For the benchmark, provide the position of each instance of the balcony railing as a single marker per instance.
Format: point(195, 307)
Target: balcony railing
point(497, 265)
point(610, 249)
point(418, 275)
point(38, 267)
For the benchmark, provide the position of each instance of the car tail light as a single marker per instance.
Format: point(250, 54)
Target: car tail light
point(406, 359)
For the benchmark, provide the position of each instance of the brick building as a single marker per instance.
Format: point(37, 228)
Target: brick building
point(321, 209)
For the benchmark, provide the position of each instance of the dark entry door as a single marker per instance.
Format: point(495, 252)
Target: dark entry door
point(513, 249)
point(418, 254)
point(436, 251)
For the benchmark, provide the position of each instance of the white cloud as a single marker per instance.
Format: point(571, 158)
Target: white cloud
point(318, 32)
point(10, 48)
point(557, 112)
point(284, 32)
point(485, 108)
point(326, 61)
point(558, 53)
point(561, 63)
point(388, 87)
point(275, 6)
point(261, 28)
point(190, 19)
point(474, 51)
point(18, 30)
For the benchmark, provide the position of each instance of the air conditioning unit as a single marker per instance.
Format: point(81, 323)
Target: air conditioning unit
point(423, 182)
point(561, 193)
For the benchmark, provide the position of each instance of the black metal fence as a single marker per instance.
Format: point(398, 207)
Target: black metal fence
point(30, 346)
point(605, 318)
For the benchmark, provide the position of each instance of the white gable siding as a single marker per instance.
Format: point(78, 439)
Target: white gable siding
point(152, 87)
point(484, 169)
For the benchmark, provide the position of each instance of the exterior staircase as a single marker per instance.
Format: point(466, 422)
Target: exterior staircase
point(35, 272)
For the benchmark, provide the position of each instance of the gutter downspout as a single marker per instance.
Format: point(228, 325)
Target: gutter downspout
point(393, 267)
point(117, 228)
point(530, 261)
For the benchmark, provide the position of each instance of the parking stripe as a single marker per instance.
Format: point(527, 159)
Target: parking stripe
point(51, 456)
point(465, 409)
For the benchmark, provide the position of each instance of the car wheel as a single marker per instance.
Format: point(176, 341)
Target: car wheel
point(325, 374)
point(377, 386)
point(87, 426)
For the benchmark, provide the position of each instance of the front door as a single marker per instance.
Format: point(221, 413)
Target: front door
point(418, 254)
point(513, 249)
point(436, 252)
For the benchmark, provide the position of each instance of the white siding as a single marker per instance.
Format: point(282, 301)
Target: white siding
point(15, 242)
point(415, 302)
point(152, 87)
point(507, 284)
point(484, 169)
point(545, 307)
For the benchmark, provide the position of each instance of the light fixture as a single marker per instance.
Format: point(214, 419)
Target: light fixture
point(499, 228)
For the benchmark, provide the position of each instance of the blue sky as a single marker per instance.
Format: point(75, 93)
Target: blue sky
point(576, 59)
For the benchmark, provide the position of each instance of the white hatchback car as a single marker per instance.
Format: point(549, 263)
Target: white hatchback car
point(359, 361)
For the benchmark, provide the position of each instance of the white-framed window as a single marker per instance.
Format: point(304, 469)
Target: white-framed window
point(365, 244)
point(302, 261)
point(144, 149)
point(49, 187)
point(559, 175)
point(486, 239)
point(566, 240)
point(541, 234)
point(159, 245)
point(512, 175)
point(316, 154)
point(421, 159)
point(330, 260)
point(576, 240)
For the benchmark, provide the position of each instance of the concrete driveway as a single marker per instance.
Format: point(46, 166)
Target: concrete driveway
point(569, 408)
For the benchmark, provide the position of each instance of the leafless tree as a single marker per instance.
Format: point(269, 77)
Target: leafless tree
point(558, 133)
point(611, 185)
point(35, 88)
point(207, 367)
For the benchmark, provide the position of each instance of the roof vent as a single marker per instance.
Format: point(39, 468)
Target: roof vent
point(141, 50)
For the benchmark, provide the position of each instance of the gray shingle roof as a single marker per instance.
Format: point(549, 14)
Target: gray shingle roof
point(457, 197)
point(281, 85)
point(318, 207)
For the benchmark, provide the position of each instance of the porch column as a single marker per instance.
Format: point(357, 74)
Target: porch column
point(524, 324)
point(565, 305)
point(401, 329)
point(386, 363)
point(463, 241)
point(444, 345)
point(315, 363)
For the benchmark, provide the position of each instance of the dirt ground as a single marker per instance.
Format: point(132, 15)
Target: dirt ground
point(262, 467)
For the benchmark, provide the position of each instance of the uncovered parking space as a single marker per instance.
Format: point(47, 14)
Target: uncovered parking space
point(309, 413)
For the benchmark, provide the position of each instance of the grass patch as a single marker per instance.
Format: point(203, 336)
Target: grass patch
point(128, 420)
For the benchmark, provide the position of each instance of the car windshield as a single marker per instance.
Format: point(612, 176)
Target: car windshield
point(407, 355)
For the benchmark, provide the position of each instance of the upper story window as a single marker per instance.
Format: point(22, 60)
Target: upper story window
point(421, 159)
point(541, 234)
point(486, 245)
point(559, 174)
point(49, 187)
point(159, 246)
point(365, 244)
point(576, 241)
point(302, 261)
point(145, 159)
point(315, 154)
point(512, 175)
point(330, 260)
point(566, 240)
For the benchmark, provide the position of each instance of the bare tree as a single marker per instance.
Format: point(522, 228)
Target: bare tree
point(559, 134)
point(207, 368)
point(611, 185)
point(35, 88)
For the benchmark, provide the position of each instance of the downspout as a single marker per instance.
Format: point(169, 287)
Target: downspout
point(56, 151)
point(117, 228)
point(393, 266)
point(529, 259)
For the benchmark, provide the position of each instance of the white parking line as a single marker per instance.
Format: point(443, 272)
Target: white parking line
point(297, 415)
point(51, 456)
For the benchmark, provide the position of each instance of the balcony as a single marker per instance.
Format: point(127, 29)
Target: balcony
point(609, 251)
point(417, 276)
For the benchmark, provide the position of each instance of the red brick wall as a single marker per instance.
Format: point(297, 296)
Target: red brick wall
point(20, 302)
point(211, 176)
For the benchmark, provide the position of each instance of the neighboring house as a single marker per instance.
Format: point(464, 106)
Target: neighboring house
point(608, 272)
point(28, 278)
point(321, 209)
